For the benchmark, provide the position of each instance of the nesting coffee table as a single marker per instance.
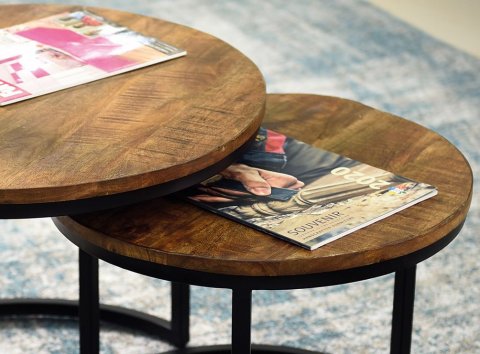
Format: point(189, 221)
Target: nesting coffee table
point(127, 138)
point(173, 240)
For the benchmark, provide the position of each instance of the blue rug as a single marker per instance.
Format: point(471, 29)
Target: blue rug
point(341, 48)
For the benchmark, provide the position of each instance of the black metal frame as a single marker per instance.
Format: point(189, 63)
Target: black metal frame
point(404, 268)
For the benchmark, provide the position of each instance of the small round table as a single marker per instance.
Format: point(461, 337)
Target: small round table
point(126, 138)
point(173, 240)
point(129, 137)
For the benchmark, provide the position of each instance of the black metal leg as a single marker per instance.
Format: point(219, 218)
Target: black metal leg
point(241, 321)
point(403, 304)
point(180, 321)
point(176, 331)
point(241, 333)
point(88, 309)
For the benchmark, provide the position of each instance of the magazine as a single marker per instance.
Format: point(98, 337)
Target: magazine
point(302, 194)
point(70, 49)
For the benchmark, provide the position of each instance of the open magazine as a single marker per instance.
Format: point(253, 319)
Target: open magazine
point(302, 194)
point(70, 49)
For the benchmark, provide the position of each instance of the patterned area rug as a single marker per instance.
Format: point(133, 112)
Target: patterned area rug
point(341, 48)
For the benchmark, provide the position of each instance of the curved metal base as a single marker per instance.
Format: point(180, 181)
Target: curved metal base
point(89, 312)
point(256, 349)
point(57, 308)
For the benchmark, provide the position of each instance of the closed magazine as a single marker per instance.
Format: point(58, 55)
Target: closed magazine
point(303, 194)
point(69, 49)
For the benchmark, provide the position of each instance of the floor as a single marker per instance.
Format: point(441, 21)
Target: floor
point(455, 22)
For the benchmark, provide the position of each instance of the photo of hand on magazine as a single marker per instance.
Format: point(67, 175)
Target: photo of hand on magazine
point(274, 168)
point(243, 181)
point(306, 195)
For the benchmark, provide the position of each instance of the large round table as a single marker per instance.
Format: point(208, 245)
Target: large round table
point(174, 240)
point(126, 138)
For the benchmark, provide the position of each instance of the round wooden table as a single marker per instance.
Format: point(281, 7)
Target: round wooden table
point(129, 137)
point(174, 240)
point(126, 138)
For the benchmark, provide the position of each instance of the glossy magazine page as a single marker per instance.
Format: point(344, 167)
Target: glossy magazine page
point(305, 195)
point(70, 49)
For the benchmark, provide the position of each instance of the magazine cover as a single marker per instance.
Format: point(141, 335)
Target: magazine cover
point(302, 194)
point(70, 49)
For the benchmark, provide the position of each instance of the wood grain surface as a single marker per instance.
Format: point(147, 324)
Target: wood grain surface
point(130, 131)
point(175, 233)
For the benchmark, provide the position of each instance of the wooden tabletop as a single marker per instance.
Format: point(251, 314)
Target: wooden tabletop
point(131, 131)
point(175, 233)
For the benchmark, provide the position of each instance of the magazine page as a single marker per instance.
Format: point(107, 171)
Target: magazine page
point(302, 194)
point(69, 49)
